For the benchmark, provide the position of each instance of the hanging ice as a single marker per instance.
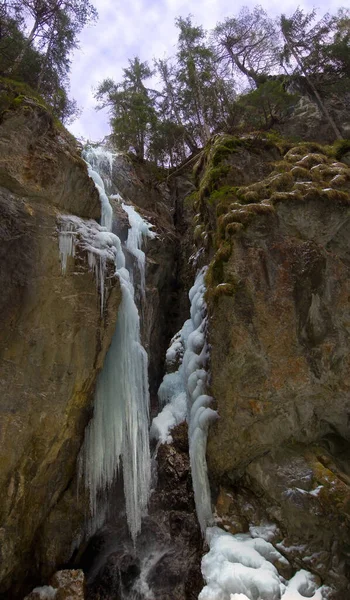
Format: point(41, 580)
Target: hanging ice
point(138, 230)
point(117, 436)
point(100, 164)
point(102, 247)
point(183, 393)
point(237, 567)
point(118, 432)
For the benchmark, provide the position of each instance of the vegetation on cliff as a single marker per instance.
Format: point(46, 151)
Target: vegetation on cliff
point(248, 73)
point(227, 198)
point(36, 40)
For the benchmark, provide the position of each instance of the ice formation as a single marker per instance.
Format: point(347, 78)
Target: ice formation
point(237, 567)
point(139, 228)
point(183, 394)
point(118, 433)
point(117, 436)
point(46, 592)
point(101, 247)
point(100, 164)
point(240, 567)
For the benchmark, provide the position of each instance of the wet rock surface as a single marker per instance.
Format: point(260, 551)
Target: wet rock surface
point(52, 345)
point(279, 313)
point(64, 585)
point(166, 560)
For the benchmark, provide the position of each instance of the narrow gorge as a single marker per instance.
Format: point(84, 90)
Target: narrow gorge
point(174, 407)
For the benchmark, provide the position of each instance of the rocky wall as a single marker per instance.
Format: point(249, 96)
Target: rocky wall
point(53, 339)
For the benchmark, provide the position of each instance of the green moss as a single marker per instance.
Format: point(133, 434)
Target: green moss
point(325, 172)
point(257, 190)
point(16, 94)
point(224, 252)
point(274, 139)
point(340, 180)
point(305, 148)
point(223, 289)
point(280, 183)
point(242, 215)
point(18, 88)
point(340, 148)
point(281, 166)
point(300, 173)
point(232, 229)
point(336, 196)
point(278, 197)
point(211, 180)
point(191, 199)
point(251, 196)
point(229, 217)
point(225, 205)
point(224, 147)
point(222, 193)
point(198, 232)
point(311, 160)
point(215, 273)
point(313, 193)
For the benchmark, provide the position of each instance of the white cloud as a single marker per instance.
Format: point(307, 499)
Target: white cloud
point(142, 28)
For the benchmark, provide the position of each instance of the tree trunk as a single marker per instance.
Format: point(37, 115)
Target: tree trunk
point(46, 59)
point(19, 58)
point(324, 109)
point(258, 79)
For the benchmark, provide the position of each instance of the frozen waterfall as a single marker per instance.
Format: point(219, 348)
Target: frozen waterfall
point(183, 394)
point(117, 437)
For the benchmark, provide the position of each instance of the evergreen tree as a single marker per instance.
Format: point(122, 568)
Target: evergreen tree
point(267, 105)
point(169, 106)
point(46, 16)
point(132, 107)
point(304, 40)
point(194, 76)
point(249, 43)
point(41, 58)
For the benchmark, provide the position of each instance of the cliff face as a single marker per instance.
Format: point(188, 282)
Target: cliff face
point(273, 223)
point(278, 292)
point(53, 339)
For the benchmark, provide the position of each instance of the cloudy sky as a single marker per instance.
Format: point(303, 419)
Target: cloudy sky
point(145, 28)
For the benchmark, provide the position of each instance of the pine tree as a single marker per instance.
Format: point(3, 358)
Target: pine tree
point(249, 44)
point(132, 107)
point(302, 38)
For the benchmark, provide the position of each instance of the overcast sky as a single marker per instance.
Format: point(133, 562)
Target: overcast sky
point(145, 28)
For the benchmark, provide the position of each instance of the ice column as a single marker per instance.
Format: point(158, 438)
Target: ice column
point(139, 229)
point(118, 433)
point(184, 393)
point(100, 163)
point(117, 436)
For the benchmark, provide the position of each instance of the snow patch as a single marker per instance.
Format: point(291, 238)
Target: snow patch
point(239, 566)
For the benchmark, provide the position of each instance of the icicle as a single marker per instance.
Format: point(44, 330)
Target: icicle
point(102, 247)
point(99, 161)
point(139, 229)
point(188, 384)
point(117, 436)
point(66, 242)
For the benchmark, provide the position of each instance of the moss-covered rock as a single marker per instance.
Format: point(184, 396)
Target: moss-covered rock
point(277, 289)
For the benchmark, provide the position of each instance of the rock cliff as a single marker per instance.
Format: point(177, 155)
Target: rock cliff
point(53, 339)
point(272, 220)
point(278, 292)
